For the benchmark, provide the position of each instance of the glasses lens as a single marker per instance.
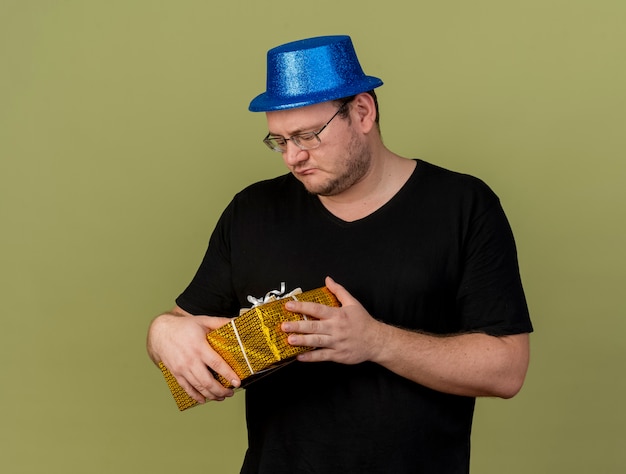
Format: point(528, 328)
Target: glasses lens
point(276, 143)
point(307, 141)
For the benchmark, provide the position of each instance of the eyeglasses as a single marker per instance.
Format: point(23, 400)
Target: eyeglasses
point(304, 141)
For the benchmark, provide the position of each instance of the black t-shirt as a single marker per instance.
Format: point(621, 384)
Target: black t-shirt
point(438, 257)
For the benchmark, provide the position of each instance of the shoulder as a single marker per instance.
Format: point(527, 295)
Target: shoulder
point(269, 189)
point(267, 198)
point(446, 186)
point(430, 173)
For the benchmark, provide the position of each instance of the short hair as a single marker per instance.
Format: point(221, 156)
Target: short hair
point(346, 100)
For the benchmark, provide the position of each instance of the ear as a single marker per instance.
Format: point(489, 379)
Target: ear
point(365, 108)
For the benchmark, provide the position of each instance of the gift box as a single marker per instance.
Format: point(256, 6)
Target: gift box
point(253, 343)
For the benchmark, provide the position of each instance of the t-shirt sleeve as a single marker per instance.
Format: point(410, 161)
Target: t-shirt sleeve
point(490, 296)
point(210, 291)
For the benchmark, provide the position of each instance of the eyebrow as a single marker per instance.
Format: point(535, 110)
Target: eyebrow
point(297, 131)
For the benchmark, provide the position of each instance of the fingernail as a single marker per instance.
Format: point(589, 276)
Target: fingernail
point(289, 305)
point(286, 327)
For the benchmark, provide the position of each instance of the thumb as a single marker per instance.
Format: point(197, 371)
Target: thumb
point(211, 322)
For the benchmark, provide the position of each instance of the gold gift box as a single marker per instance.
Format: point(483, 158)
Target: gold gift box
point(253, 344)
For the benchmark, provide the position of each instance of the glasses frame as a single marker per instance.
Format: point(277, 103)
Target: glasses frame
point(296, 138)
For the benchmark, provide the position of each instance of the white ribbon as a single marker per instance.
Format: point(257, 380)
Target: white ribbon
point(243, 351)
point(270, 296)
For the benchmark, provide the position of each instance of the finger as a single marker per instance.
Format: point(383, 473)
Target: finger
point(200, 391)
point(210, 357)
point(207, 387)
point(309, 308)
point(211, 322)
point(305, 327)
point(191, 391)
point(309, 340)
point(344, 297)
point(219, 365)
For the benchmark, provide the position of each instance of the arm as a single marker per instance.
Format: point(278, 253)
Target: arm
point(466, 364)
point(178, 339)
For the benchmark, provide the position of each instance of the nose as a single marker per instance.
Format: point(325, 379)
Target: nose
point(294, 155)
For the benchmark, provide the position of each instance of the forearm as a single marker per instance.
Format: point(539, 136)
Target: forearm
point(463, 364)
point(467, 364)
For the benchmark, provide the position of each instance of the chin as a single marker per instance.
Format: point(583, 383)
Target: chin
point(314, 188)
point(329, 187)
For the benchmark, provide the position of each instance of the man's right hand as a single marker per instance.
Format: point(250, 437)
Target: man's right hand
point(178, 339)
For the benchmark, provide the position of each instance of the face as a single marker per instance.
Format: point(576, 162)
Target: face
point(342, 159)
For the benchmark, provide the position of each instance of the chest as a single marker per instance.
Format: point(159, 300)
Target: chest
point(403, 267)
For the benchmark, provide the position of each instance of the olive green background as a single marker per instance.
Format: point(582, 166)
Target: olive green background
point(124, 131)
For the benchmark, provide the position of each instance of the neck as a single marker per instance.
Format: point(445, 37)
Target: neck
point(386, 176)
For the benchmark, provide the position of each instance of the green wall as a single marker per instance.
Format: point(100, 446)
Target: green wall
point(124, 131)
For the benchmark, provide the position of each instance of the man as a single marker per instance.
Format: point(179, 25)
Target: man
point(422, 260)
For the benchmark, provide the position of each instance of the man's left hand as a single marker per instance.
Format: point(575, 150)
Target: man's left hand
point(348, 335)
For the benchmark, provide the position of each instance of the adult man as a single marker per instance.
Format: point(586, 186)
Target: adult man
point(423, 261)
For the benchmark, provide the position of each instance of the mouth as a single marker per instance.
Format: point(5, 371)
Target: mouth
point(304, 171)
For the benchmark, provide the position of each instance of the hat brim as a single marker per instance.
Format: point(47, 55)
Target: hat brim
point(267, 103)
